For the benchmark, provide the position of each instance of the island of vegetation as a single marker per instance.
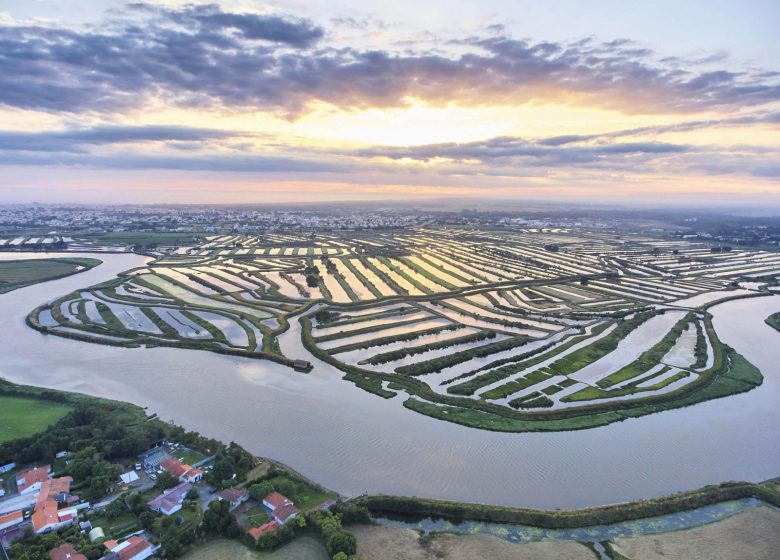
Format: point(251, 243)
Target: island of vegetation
point(774, 321)
point(25, 272)
point(506, 330)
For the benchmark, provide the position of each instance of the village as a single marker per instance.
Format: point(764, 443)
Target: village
point(36, 500)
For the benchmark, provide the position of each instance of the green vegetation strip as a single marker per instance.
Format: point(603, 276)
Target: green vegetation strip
point(568, 519)
point(516, 364)
point(384, 340)
point(437, 364)
point(414, 350)
point(372, 329)
point(593, 352)
point(649, 358)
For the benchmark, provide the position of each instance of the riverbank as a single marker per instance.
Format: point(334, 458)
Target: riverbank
point(556, 519)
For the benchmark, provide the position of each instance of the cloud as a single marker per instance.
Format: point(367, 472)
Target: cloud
point(198, 162)
point(76, 138)
point(512, 151)
point(203, 55)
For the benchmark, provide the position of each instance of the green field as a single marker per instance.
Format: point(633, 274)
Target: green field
point(19, 273)
point(142, 238)
point(21, 417)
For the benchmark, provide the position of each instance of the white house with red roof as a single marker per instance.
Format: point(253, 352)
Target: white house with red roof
point(182, 471)
point(47, 518)
point(282, 508)
point(30, 480)
point(135, 547)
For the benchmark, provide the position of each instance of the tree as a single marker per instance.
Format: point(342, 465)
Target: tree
point(344, 556)
point(147, 520)
point(192, 494)
point(352, 514)
point(312, 281)
point(115, 509)
point(165, 480)
point(341, 541)
point(261, 490)
point(218, 520)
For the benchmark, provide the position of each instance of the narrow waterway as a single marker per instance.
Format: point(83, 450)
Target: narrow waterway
point(355, 442)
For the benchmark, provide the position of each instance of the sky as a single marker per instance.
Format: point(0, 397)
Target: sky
point(663, 102)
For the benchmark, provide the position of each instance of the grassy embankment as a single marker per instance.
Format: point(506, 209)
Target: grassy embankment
point(25, 272)
point(569, 519)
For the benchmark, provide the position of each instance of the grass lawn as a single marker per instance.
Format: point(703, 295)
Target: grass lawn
point(256, 516)
point(190, 457)
point(17, 274)
point(22, 417)
point(304, 495)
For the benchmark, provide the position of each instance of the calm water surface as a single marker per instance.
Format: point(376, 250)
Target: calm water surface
point(354, 442)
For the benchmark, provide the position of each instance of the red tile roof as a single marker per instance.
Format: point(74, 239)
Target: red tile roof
point(13, 516)
point(269, 527)
point(233, 494)
point(285, 512)
point(45, 515)
point(27, 478)
point(137, 544)
point(174, 467)
point(276, 500)
point(179, 470)
point(51, 488)
point(66, 552)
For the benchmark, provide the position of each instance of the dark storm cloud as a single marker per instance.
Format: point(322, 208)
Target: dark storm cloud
point(203, 55)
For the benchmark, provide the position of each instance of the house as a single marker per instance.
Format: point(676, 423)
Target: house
point(170, 501)
point(285, 513)
point(129, 477)
point(275, 500)
point(30, 480)
point(11, 519)
point(258, 532)
point(182, 471)
point(66, 552)
point(46, 517)
point(282, 508)
point(234, 496)
point(57, 489)
point(134, 548)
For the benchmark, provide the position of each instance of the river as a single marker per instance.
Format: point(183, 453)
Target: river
point(355, 442)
